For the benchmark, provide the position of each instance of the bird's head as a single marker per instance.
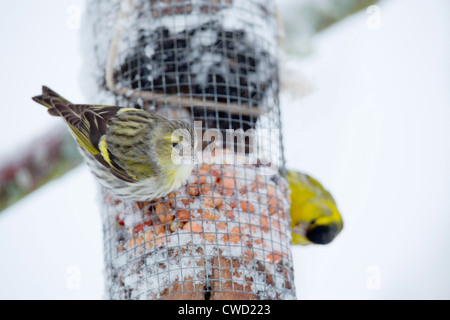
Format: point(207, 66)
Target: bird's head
point(175, 145)
point(325, 224)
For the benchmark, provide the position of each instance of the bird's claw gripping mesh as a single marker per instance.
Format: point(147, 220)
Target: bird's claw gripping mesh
point(226, 233)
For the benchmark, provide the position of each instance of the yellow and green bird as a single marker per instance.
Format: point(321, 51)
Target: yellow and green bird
point(315, 218)
point(134, 153)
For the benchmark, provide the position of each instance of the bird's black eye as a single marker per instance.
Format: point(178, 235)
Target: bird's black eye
point(175, 144)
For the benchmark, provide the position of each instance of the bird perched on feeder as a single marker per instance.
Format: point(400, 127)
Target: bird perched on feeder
point(134, 153)
point(315, 218)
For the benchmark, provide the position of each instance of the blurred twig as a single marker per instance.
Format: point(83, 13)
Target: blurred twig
point(47, 158)
point(302, 19)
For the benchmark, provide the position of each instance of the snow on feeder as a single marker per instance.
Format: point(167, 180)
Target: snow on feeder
point(226, 233)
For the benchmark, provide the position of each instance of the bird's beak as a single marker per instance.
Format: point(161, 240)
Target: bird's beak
point(299, 234)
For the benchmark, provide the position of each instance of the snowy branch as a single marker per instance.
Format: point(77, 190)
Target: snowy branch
point(47, 158)
point(302, 19)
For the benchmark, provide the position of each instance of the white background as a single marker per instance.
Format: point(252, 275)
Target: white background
point(375, 131)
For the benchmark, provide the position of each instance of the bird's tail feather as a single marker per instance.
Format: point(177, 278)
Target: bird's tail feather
point(49, 98)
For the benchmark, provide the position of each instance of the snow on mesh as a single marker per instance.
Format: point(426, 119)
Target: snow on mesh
point(227, 218)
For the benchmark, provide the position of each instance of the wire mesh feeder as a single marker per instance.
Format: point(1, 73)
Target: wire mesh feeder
point(226, 234)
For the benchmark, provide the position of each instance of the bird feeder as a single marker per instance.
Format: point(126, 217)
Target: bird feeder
point(225, 234)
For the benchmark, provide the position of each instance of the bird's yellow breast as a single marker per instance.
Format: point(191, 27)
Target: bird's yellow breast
point(178, 176)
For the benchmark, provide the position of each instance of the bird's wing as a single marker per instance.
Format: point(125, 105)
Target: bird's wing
point(129, 136)
point(89, 124)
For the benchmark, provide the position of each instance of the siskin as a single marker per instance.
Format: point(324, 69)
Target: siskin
point(315, 218)
point(132, 152)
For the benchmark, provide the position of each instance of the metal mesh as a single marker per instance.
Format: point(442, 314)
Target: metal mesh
point(226, 234)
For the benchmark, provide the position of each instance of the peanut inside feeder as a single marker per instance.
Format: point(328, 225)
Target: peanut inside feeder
point(226, 231)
